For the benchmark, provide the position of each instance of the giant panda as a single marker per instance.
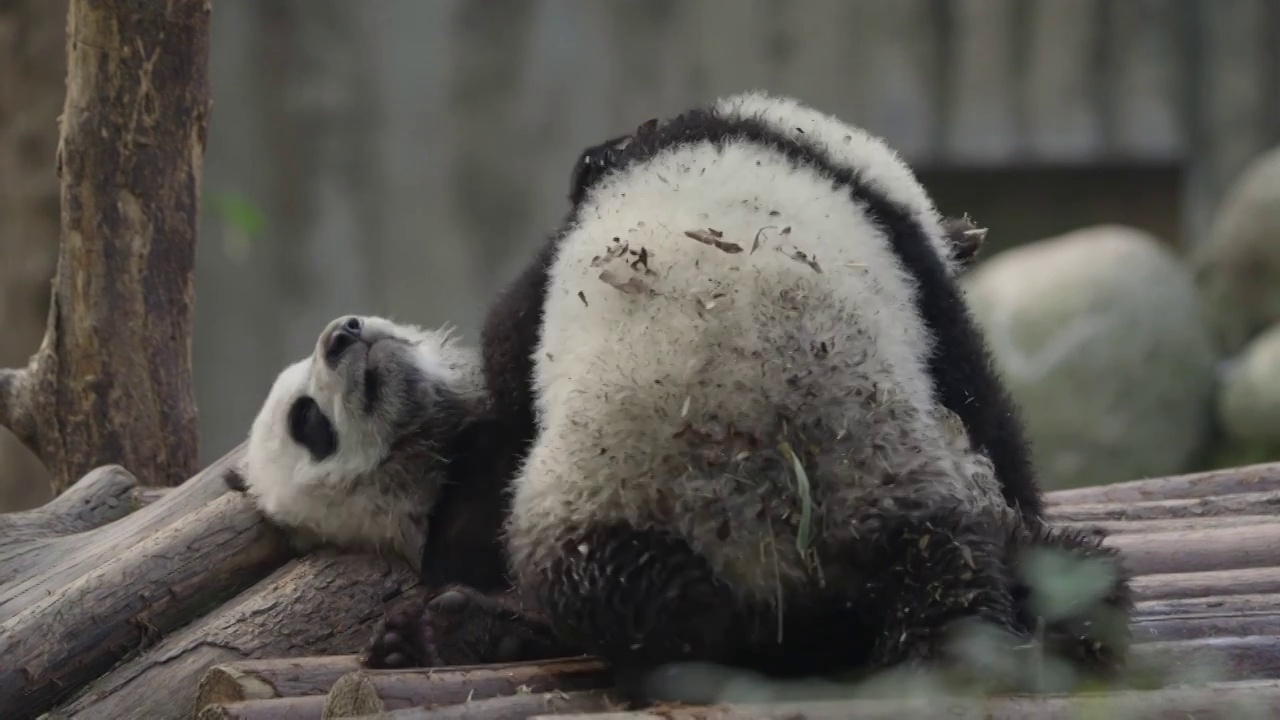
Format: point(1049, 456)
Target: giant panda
point(382, 439)
point(763, 428)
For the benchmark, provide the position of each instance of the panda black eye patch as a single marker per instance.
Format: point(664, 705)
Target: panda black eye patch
point(311, 429)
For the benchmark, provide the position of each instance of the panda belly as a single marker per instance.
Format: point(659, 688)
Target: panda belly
point(716, 424)
point(748, 435)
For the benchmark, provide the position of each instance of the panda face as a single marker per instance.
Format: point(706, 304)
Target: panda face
point(333, 423)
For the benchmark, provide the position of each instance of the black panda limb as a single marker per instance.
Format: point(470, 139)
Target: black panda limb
point(1089, 628)
point(615, 591)
point(462, 626)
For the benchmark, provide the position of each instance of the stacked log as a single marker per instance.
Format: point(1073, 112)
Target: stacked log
point(117, 602)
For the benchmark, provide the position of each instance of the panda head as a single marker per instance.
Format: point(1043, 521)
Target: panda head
point(348, 445)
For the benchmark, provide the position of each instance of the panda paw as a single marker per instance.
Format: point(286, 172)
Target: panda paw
point(461, 626)
point(401, 641)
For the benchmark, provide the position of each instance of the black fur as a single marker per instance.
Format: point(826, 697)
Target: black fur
point(641, 598)
point(464, 544)
point(464, 556)
point(963, 374)
point(462, 626)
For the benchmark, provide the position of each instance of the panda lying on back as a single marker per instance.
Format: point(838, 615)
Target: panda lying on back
point(382, 440)
point(767, 432)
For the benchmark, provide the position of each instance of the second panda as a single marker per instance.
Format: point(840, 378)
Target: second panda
point(743, 453)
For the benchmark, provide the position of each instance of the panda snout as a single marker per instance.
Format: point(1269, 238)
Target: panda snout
point(342, 335)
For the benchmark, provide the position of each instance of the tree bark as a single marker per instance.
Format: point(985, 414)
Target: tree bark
point(1226, 658)
point(273, 678)
point(1173, 586)
point(1247, 503)
point(107, 493)
point(111, 382)
point(321, 604)
point(510, 707)
point(1250, 546)
point(366, 692)
point(1107, 528)
point(1228, 481)
point(308, 707)
point(66, 640)
point(30, 572)
point(34, 60)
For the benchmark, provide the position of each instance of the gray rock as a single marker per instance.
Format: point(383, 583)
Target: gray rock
point(1102, 339)
point(1249, 401)
point(1238, 266)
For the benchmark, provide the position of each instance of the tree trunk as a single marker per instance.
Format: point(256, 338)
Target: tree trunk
point(111, 382)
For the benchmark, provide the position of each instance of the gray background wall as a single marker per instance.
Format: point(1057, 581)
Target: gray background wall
point(404, 157)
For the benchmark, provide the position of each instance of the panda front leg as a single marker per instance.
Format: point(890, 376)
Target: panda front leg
point(463, 626)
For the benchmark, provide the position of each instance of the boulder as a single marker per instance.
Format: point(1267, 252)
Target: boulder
point(1238, 265)
point(1103, 341)
point(1249, 402)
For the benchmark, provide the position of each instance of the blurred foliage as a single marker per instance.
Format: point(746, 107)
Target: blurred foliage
point(244, 223)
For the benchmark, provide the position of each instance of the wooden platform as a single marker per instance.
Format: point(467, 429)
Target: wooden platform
point(115, 603)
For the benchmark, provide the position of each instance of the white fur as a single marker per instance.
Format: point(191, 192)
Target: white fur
point(340, 500)
point(715, 333)
point(850, 147)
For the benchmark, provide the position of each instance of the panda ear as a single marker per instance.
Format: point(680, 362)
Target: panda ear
point(593, 163)
point(965, 239)
point(234, 478)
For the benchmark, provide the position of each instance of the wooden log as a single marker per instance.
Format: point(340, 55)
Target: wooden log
point(1259, 503)
point(306, 707)
point(1231, 481)
point(1185, 626)
point(1254, 657)
point(511, 707)
point(1216, 700)
point(1251, 546)
point(1170, 586)
point(273, 678)
point(366, 692)
point(1241, 604)
point(322, 604)
point(105, 494)
point(1139, 527)
point(60, 643)
point(44, 567)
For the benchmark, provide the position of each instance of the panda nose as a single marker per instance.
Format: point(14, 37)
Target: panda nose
point(346, 334)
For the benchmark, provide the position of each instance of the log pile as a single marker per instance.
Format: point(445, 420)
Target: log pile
point(119, 601)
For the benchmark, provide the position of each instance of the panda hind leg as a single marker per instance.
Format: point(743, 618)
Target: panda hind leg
point(639, 599)
point(462, 626)
point(927, 577)
point(1075, 594)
